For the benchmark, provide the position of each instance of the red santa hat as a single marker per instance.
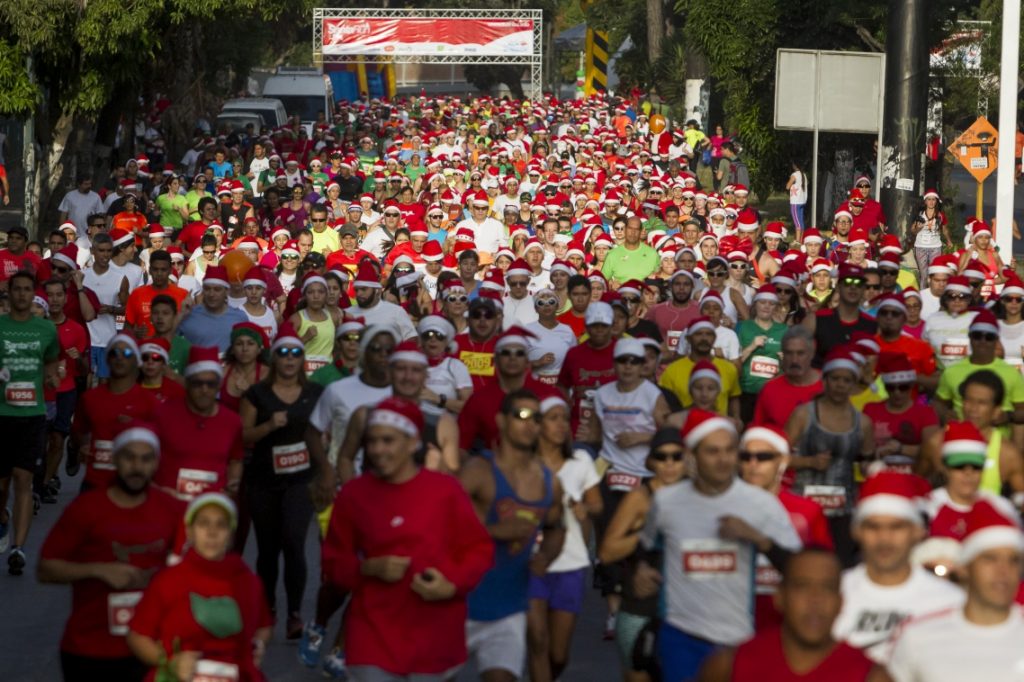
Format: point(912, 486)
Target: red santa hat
point(712, 296)
point(705, 369)
point(893, 301)
point(203, 359)
point(158, 345)
point(398, 413)
point(156, 231)
point(254, 277)
point(409, 351)
point(895, 368)
point(821, 265)
point(519, 268)
point(137, 432)
point(767, 433)
point(68, 256)
point(432, 251)
point(974, 270)
point(700, 424)
point(216, 275)
point(989, 528)
point(958, 284)
point(963, 443)
point(287, 337)
point(812, 236)
point(366, 276)
point(980, 228)
point(891, 493)
point(514, 336)
point(766, 292)
point(699, 323)
point(839, 358)
point(633, 287)
point(984, 321)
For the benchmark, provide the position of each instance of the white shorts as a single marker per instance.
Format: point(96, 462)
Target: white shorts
point(498, 644)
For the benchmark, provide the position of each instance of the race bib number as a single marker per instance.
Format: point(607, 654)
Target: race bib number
point(621, 482)
point(195, 482)
point(954, 349)
point(708, 559)
point(478, 364)
point(103, 454)
point(547, 379)
point(290, 459)
point(215, 671)
point(21, 394)
point(767, 577)
point(832, 498)
point(586, 412)
point(120, 609)
point(315, 362)
point(764, 367)
point(119, 322)
point(673, 340)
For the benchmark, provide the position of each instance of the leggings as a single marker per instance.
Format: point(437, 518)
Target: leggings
point(924, 257)
point(796, 211)
point(281, 514)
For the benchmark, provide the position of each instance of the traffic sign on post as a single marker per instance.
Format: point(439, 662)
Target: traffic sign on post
point(977, 152)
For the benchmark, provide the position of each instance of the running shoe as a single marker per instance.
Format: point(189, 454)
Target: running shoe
point(71, 462)
point(334, 665)
point(5, 535)
point(609, 627)
point(48, 495)
point(16, 561)
point(310, 643)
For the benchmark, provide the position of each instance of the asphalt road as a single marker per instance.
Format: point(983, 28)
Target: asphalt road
point(32, 618)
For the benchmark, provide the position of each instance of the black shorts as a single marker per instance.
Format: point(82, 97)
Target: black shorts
point(24, 443)
point(77, 668)
point(65, 410)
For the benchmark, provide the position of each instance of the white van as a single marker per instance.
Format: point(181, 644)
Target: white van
point(305, 92)
point(270, 110)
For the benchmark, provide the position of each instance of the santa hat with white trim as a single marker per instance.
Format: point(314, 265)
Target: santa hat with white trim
point(398, 413)
point(68, 256)
point(958, 284)
point(126, 340)
point(633, 287)
point(204, 359)
point(984, 321)
point(120, 237)
point(895, 368)
point(287, 336)
point(158, 345)
point(1014, 286)
point(821, 265)
point(963, 443)
point(216, 276)
point(366, 276)
point(974, 270)
point(766, 292)
point(519, 268)
point(891, 493)
point(137, 432)
point(699, 323)
point(254, 277)
point(349, 325)
point(514, 336)
point(989, 528)
point(710, 296)
point(839, 358)
point(700, 424)
point(767, 433)
point(705, 369)
point(409, 351)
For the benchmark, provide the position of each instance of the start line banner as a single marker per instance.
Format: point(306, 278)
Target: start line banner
point(458, 37)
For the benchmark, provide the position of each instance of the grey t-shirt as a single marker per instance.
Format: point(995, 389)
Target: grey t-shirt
point(80, 206)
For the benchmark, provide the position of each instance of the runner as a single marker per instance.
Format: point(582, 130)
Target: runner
point(411, 561)
point(587, 367)
point(29, 355)
point(107, 545)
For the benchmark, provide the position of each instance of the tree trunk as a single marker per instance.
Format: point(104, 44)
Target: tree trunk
point(698, 90)
point(655, 29)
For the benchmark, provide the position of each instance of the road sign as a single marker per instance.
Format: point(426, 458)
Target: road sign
point(976, 149)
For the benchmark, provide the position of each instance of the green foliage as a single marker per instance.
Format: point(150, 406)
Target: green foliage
point(18, 94)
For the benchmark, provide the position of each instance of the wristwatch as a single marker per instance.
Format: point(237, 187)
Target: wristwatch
point(442, 400)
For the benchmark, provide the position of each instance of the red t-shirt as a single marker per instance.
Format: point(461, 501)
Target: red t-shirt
point(95, 530)
point(167, 390)
point(673, 320)
point(578, 323)
point(102, 414)
point(779, 398)
point(70, 334)
point(477, 426)
point(140, 302)
point(195, 450)
point(762, 658)
point(429, 519)
point(478, 356)
point(905, 427)
point(191, 236)
point(584, 370)
point(169, 608)
point(10, 264)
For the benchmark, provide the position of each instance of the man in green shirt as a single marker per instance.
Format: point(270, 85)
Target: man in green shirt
point(632, 259)
point(163, 315)
point(984, 336)
point(28, 356)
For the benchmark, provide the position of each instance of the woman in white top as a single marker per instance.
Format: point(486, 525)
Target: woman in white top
point(555, 598)
point(797, 187)
point(739, 274)
point(946, 330)
point(930, 230)
point(255, 308)
point(1011, 321)
point(448, 384)
point(554, 339)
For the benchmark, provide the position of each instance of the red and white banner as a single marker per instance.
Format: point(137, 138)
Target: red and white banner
point(459, 37)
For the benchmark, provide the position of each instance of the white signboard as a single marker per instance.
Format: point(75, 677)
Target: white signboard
point(838, 92)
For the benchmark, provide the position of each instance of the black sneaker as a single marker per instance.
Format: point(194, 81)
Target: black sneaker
point(48, 495)
point(16, 561)
point(55, 483)
point(37, 502)
point(71, 461)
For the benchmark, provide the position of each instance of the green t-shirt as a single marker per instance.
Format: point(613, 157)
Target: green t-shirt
point(25, 346)
point(328, 374)
point(192, 198)
point(623, 265)
point(180, 347)
point(763, 364)
point(954, 375)
point(170, 210)
point(414, 172)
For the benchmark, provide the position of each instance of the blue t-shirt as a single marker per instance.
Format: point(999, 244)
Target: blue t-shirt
point(220, 170)
point(203, 328)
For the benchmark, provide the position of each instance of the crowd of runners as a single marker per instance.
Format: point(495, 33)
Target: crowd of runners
point(505, 357)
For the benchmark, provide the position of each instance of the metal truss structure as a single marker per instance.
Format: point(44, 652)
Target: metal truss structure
point(534, 61)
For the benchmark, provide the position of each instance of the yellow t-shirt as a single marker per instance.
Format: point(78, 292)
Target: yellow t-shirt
point(326, 242)
point(676, 378)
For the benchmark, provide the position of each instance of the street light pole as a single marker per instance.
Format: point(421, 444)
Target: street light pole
point(1009, 59)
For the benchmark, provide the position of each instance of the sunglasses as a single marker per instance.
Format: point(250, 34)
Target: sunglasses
point(852, 281)
point(966, 465)
point(876, 287)
point(457, 299)
point(546, 303)
point(212, 384)
point(863, 186)
point(667, 456)
point(61, 269)
point(518, 284)
point(284, 352)
point(318, 220)
point(525, 414)
point(977, 283)
point(289, 257)
point(152, 357)
point(379, 348)
point(432, 335)
point(898, 388)
point(738, 266)
point(509, 353)
point(436, 215)
point(717, 273)
point(890, 312)
point(122, 352)
point(1013, 299)
point(958, 297)
point(209, 253)
point(757, 456)
point(982, 336)
point(392, 215)
point(352, 336)
point(630, 300)
point(482, 315)
point(630, 360)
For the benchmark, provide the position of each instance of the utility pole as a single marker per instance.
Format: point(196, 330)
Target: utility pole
point(905, 118)
point(1009, 60)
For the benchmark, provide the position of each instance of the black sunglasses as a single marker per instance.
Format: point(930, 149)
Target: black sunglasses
point(509, 353)
point(630, 360)
point(212, 384)
point(958, 297)
point(482, 315)
point(982, 336)
point(898, 388)
point(122, 352)
point(433, 335)
point(152, 357)
point(285, 351)
point(1013, 299)
point(873, 286)
point(717, 273)
point(852, 281)
point(746, 456)
point(379, 348)
point(890, 312)
point(351, 336)
point(666, 456)
point(967, 465)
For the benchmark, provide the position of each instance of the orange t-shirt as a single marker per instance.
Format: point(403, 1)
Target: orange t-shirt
point(919, 352)
point(140, 302)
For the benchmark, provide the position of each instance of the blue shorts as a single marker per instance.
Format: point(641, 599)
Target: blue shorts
point(98, 361)
point(563, 591)
point(681, 655)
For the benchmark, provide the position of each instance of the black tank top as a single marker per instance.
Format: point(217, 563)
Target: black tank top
point(830, 331)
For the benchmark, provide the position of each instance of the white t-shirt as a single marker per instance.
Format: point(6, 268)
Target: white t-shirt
point(556, 341)
point(267, 322)
point(797, 191)
point(577, 475)
point(709, 582)
point(136, 277)
point(374, 242)
point(1012, 338)
point(336, 405)
point(871, 613)
point(446, 378)
point(80, 206)
point(631, 412)
point(489, 236)
point(929, 303)
point(386, 313)
point(945, 647)
point(106, 287)
point(930, 236)
point(725, 340)
point(518, 311)
point(948, 336)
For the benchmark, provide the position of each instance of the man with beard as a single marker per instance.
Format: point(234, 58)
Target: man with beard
point(675, 314)
point(373, 309)
point(107, 545)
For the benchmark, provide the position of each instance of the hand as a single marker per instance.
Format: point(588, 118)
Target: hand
point(432, 585)
point(259, 648)
point(432, 458)
point(646, 580)
point(72, 353)
point(7, 199)
point(140, 331)
point(517, 528)
point(820, 461)
point(389, 569)
point(278, 420)
point(579, 510)
point(628, 440)
point(323, 489)
point(79, 278)
point(538, 565)
point(428, 396)
point(121, 576)
point(183, 665)
point(309, 335)
point(735, 528)
point(546, 360)
point(760, 341)
point(889, 447)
